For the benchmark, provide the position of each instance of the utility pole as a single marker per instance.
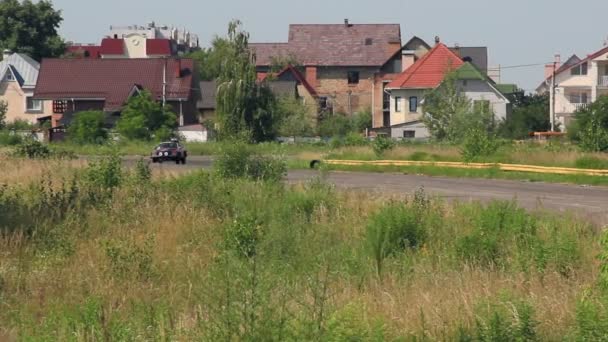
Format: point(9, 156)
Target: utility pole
point(165, 82)
point(552, 104)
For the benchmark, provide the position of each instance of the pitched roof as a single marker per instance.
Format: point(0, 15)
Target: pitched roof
point(469, 72)
point(508, 88)
point(429, 71)
point(158, 47)
point(478, 55)
point(295, 74)
point(335, 45)
point(23, 67)
point(87, 51)
point(112, 79)
point(112, 46)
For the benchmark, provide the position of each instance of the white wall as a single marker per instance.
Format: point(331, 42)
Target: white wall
point(421, 132)
point(404, 115)
point(195, 136)
point(476, 90)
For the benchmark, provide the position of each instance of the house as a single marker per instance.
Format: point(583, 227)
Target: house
point(18, 76)
point(148, 41)
point(288, 82)
point(339, 61)
point(408, 90)
point(578, 82)
point(75, 85)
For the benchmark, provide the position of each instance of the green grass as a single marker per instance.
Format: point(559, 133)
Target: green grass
point(476, 173)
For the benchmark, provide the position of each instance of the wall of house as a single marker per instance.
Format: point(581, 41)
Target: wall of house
point(346, 98)
point(188, 110)
point(380, 82)
point(16, 97)
point(419, 128)
point(480, 90)
point(405, 115)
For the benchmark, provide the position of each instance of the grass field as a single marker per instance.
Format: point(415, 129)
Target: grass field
point(102, 253)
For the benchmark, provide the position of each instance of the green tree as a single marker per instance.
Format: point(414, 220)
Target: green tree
point(31, 28)
point(294, 118)
point(590, 128)
point(362, 120)
point(143, 117)
point(3, 111)
point(88, 128)
point(210, 61)
point(244, 107)
point(530, 114)
point(335, 125)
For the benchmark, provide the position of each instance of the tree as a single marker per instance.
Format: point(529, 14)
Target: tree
point(530, 114)
point(336, 125)
point(446, 110)
point(143, 117)
point(3, 111)
point(210, 61)
point(244, 107)
point(30, 28)
point(88, 128)
point(294, 118)
point(362, 120)
point(591, 126)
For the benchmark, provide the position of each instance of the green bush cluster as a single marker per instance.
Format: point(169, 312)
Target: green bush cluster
point(477, 144)
point(237, 160)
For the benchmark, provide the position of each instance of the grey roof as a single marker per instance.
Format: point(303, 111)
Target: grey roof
point(283, 88)
point(25, 69)
point(207, 99)
point(478, 56)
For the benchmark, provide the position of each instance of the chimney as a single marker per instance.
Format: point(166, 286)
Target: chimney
point(549, 68)
point(178, 68)
point(437, 40)
point(346, 23)
point(6, 54)
point(311, 76)
point(558, 60)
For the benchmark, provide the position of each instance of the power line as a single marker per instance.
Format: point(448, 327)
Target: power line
point(523, 65)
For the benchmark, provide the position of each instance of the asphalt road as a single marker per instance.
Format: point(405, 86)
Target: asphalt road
point(587, 201)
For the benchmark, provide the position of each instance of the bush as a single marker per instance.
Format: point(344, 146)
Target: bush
point(32, 149)
point(503, 322)
point(242, 235)
point(143, 117)
point(593, 137)
point(8, 138)
point(336, 125)
point(88, 128)
point(478, 144)
point(395, 228)
point(589, 162)
point(382, 144)
point(355, 139)
point(236, 160)
point(362, 120)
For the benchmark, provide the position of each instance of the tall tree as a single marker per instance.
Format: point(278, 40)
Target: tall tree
point(30, 28)
point(144, 117)
point(244, 106)
point(530, 114)
point(210, 61)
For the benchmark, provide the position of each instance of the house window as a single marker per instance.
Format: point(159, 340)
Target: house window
point(33, 105)
point(579, 98)
point(60, 106)
point(368, 41)
point(481, 106)
point(353, 77)
point(386, 119)
point(413, 104)
point(580, 69)
point(397, 104)
point(323, 103)
point(409, 134)
point(9, 76)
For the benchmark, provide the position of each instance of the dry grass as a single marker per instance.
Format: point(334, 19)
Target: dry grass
point(24, 171)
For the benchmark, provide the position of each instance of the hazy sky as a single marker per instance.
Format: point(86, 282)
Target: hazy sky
point(516, 31)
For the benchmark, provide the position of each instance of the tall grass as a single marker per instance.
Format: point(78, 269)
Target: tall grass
point(204, 257)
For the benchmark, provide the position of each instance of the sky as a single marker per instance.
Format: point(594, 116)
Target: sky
point(516, 32)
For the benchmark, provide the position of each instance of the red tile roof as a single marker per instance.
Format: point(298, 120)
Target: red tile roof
point(161, 47)
point(111, 46)
point(335, 45)
point(429, 71)
point(92, 51)
point(112, 79)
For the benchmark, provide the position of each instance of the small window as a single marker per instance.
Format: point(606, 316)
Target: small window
point(323, 103)
point(579, 98)
point(60, 106)
point(580, 69)
point(369, 41)
point(397, 104)
point(413, 104)
point(481, 106)
point(409, 134)
point(33, 105)
point(353, 77)
point(9, 76)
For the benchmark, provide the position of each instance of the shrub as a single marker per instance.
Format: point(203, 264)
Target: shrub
point(104, 174)
point(395, 228)
point(478, 144)
point(242, 235)
point(355, 139)
point(362, 120)
point(143, 116)
point(593, 137)
point(88, 128)
point(8, 138)
point(336, 125)
point(503, 322)
point(588, 162)
point(32, 149)
point(236, 160)
point(382, 144)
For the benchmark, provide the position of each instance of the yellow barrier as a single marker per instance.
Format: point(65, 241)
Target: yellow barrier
point(499, 166)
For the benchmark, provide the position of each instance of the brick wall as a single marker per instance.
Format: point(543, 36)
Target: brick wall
point(332, 82)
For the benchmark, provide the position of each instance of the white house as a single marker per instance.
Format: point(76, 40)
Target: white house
point(408, 89)
point(578, 83)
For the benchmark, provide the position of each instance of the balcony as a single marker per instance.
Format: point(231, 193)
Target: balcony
point(580, 106)
point(602, 81)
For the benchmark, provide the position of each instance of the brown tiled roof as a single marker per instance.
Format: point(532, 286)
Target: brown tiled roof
point(112, 79)
point(158, 47)
point(335, 45)
point(112, 46)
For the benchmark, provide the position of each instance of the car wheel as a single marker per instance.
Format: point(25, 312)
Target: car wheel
point(154, 160)
point(177, 161)
point(184, 161)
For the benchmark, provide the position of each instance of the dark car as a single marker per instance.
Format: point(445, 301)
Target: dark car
point(169, 151)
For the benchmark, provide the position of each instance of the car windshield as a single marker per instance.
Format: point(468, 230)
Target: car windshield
point(168, 145)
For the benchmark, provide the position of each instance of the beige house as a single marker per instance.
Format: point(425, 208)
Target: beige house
point(578, 82)
point(18, 76)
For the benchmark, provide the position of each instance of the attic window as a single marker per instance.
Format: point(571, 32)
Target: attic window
point(9, 76)
point(368, 41)
point(580, 69)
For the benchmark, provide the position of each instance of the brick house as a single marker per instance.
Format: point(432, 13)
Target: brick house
point(340, 61)
point(75, 85)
